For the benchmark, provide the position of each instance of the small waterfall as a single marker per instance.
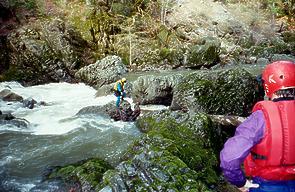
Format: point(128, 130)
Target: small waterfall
point(55, 135)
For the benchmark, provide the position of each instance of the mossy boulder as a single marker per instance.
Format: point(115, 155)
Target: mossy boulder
point(87, 173)
point(228, 92)
point(152, 170)
point(177, 153)
point(45, 51)
point(289, 36)
point(266, 48)
point(204, 54)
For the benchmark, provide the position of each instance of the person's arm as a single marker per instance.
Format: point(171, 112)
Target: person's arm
point(237, 148)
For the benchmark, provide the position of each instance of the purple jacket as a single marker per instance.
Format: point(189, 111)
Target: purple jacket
point(236, 149)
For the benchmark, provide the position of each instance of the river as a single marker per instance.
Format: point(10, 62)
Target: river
point(55, 135)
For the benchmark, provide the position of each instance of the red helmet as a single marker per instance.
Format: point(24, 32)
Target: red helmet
point(278, 75)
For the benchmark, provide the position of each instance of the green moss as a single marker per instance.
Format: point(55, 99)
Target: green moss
point(206, 54)
point(90, 171)
point(189, 140)
point(228, 92)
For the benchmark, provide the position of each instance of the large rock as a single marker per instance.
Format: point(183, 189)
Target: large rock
point(178, 153)
point(124, 113)
point(46, 51)
point(105, 71)
point(205, 54)
point(154, 89)
point(222, 92)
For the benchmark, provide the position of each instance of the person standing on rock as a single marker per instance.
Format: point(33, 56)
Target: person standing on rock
point(119, 91)
point(265, 141)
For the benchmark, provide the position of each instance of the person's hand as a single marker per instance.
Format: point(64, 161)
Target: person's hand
point(248, 185)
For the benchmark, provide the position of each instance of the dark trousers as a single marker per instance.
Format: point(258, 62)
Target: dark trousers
point(273, 186)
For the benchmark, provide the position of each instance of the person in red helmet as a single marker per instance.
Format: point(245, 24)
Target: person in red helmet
point(265, 141)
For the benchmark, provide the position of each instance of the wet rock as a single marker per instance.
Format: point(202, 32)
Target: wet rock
point(228, 92)
point(9, 119)
point(46, 51)
point(7, 116)
point(86, 174)
point(7, 95)
point(124, 113)
point(153, 89)
point(56, 185)
point(171, 156)
point(105, 71)
point(29, 103)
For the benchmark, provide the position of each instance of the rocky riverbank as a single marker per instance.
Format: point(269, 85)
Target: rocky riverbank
point(202, 59)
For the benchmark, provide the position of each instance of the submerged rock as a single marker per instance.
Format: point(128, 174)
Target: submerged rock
point(9, 119)
point(7, 116)
point(7, 95)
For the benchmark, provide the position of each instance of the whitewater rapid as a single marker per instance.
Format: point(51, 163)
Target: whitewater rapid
point(55, 135)
point(63, 101)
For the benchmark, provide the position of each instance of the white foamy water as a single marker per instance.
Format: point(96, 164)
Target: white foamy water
point(63, 101)
point(55, 135)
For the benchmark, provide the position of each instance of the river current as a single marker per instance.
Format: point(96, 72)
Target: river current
point(55, 135)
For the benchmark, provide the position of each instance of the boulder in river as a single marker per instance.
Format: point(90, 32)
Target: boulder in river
point(105, 71)
point(7, 95)
point(9, 119)
point(124, 113)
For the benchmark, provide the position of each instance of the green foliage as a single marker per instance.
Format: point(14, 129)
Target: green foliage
point(34, 6)
point(280, 7)
point(31, 4)
point(121, 9)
